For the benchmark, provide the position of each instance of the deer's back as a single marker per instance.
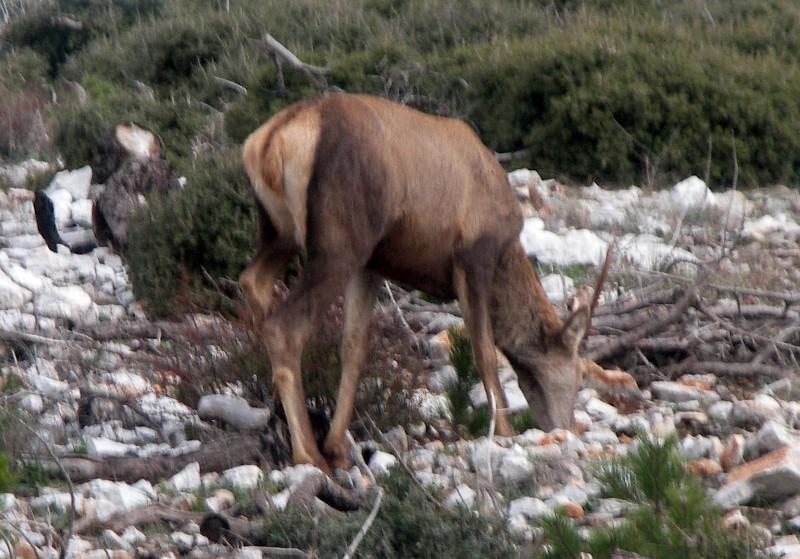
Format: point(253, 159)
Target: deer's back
point(410, 187)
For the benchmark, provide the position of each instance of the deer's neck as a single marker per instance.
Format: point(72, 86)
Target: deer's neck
point(522, 316)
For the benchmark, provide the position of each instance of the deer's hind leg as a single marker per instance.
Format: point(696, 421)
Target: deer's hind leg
point(358, 303)
point(270, 262)
point(473, 277)
point(286, 331)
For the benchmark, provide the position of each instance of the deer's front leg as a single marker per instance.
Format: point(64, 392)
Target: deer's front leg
point(359, 300)
point(473, 285)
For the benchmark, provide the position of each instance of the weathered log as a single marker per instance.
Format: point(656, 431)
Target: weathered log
point(124, 193)
point(129, 162)
point(215, 456)
point(234, 411)
point(628, 340)
point(124, 142)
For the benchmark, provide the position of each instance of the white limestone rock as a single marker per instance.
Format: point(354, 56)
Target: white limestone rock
point(576, 246)
point(528, 507)
point(558, 287)
point(381, 462)
point(515, 467)
point(60, 502)
point(601, 411)
point(462, 496)
point(12, 295)
point(81, 212)
point(188, 479)
point(77, 183)
point(692, 194)
point(133, 536)
point(243, 478)
point(70, 302)
point(101, 447)
point(118, 496)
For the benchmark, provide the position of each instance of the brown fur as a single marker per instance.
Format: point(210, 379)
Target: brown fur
point(415, 198)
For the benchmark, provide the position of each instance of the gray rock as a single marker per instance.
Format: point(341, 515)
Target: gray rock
point(462, 496)
point(772, 477)
point(613, 507)
point(435, 481)
point(76, 183)
point(442, 378)
point(694, 448)
point(243, 478)
point(32, 403)
point(69, 302)
point(515, 467)
point(600, 410)
point(601, 435)
point(183, 541)
point(528, 507)
point(721, 411)
point(111, 540)
point(133, 536)
point(748, 413)
point(188, 479)
point(12, 295)
point(397, 438)
point(381, 462)
point(486, 456)
point(773, 435)
point(674, 391)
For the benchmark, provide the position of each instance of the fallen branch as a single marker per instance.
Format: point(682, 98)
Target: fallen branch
point(215, 456)
point(351, 549)
point(233, 86)
point(733, 310)
point(67, 23)
point(660, 297)
point(319, 486)
point(153, 514)
point(722, 368)
point(788, 297)
point(779, 341)
point(314, 74)
point(629, 340)
point(506, 157)
point(665, 344)
point(234, 411)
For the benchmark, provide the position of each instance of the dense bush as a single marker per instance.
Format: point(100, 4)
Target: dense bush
point(608, 106)
point(204, 230)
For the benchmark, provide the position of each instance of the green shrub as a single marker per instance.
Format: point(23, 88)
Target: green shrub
point(39, 31)
point(79, 127)
point(408, 526)
point(182, 242)
point(672, 517)
point(8, 475)
point(466, 377)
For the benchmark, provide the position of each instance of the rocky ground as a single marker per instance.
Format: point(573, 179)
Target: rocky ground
point(94, 388)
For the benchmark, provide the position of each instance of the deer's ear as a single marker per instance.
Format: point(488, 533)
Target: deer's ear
point(575, 328)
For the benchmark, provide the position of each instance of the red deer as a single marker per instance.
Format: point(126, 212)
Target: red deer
point(368, 188)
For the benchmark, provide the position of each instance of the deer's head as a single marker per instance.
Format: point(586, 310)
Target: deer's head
point(550, 371)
